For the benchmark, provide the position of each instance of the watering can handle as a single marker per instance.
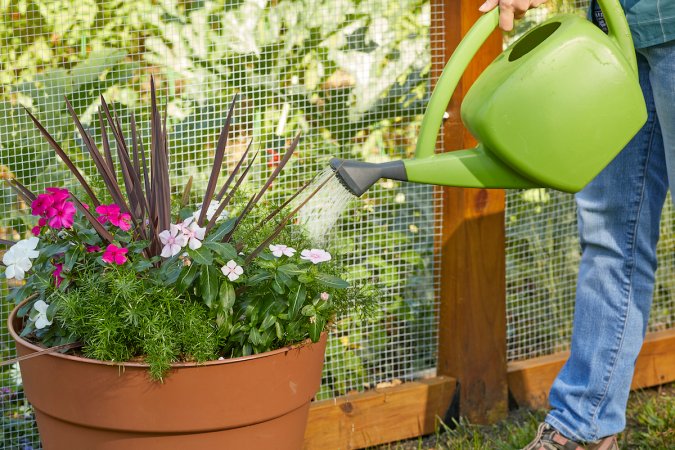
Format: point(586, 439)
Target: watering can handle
point(619, 31)
point(469, 46)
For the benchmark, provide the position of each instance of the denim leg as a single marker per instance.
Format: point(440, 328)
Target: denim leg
point(619, 214)
point(661, 60)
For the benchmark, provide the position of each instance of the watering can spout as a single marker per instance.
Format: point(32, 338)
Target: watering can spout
point(473, 168)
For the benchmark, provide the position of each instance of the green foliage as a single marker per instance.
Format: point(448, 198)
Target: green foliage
point(120, 317)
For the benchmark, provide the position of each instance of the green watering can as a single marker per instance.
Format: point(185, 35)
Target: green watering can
point(551, 111)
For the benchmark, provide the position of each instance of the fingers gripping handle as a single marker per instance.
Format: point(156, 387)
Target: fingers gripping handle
point(447, 82)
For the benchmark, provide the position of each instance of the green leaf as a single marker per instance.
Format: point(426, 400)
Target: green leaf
point(259, 277)
point(225, 250)
point(221, 231)
point(279, 330)
point(186, 277)
point(208, 285)
point(202, 256)
point(296, 301)
point(332, 281)
point(254, 336)
point(316, 326)
point(277, 286)
point(306, 279)
point(227, 296)
point(142, 265)
point(268, 322)
point(72, 255)
point(291, 269)
point(308, 311)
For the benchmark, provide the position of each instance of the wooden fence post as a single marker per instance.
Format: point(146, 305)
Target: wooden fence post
point(472, 323)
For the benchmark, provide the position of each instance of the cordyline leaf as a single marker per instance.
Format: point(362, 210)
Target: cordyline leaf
point(131, 179)
point(217, 164)
point(21, 190)
point(286, 203)
point(234, 172)
point(134, 144)
point(100, 229)
point(185, 198)
point(66, 160)
point(160, 187)
point(6, 242)
point(283, 223)
point(224, 203)
point(106, 147)
point(254, 200)
point(108, 177)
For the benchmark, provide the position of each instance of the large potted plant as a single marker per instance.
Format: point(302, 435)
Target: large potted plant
point(145, 323)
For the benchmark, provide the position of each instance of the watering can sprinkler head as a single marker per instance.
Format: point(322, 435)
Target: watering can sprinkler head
point(551, 111)
point(359, 176)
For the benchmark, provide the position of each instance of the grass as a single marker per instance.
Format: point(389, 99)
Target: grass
point(650, 426)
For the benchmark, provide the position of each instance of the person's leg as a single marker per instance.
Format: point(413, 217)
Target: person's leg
point(661, 60)
point(619, 214)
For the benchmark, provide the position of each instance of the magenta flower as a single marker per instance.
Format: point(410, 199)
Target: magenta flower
point(61, 215)
point(42, 222)
point(107, 212)
point(115, 254)
point(41, 204)
point(111, 213)
point(58, 195)
point(36, 231)
point(93, 248)
point(57, 274)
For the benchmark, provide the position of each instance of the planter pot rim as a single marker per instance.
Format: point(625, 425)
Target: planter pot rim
point(185, 365)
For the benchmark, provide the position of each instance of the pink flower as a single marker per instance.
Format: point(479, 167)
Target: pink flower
point(42, 222)
point(61, 215)
point(325, 296)
point(232, 270)
point(193, 233)
point(281, 249)
point(315, 255)
point(115, 254)
point(41, 204)
point(58, 195)
point(111, 213)
point(93, 248)
point(36, 231)
point(57, 274)
point(173, 240)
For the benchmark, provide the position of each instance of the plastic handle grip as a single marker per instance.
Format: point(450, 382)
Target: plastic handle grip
point(619, 31)
point(447, 82)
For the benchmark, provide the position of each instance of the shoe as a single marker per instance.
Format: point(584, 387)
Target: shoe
point(548, 438)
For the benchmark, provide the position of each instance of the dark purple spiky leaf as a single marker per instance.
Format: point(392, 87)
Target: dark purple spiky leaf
point(100, 229)
point(285, 220)
point(217, 163)
point(66, 160)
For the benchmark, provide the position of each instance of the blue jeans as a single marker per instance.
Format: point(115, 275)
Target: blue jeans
point(619, 214)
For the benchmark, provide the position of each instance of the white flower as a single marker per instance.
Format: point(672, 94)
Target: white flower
point(400, 197)
point(211, 211)
point(193, 233)
point(41, 319)
point(232, 270)
point(281, 249)
point(325, 296)
point(173, 239)
point(315, 255)
point(18, 258)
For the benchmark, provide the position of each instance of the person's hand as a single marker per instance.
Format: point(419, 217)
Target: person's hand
point(510, 10)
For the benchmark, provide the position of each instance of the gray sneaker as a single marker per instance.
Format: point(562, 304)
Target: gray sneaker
point(548, 438)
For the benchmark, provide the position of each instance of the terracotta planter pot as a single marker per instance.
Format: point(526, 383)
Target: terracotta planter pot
point(256, 402)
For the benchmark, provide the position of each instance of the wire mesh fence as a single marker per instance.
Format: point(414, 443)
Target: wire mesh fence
point(352, 76)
